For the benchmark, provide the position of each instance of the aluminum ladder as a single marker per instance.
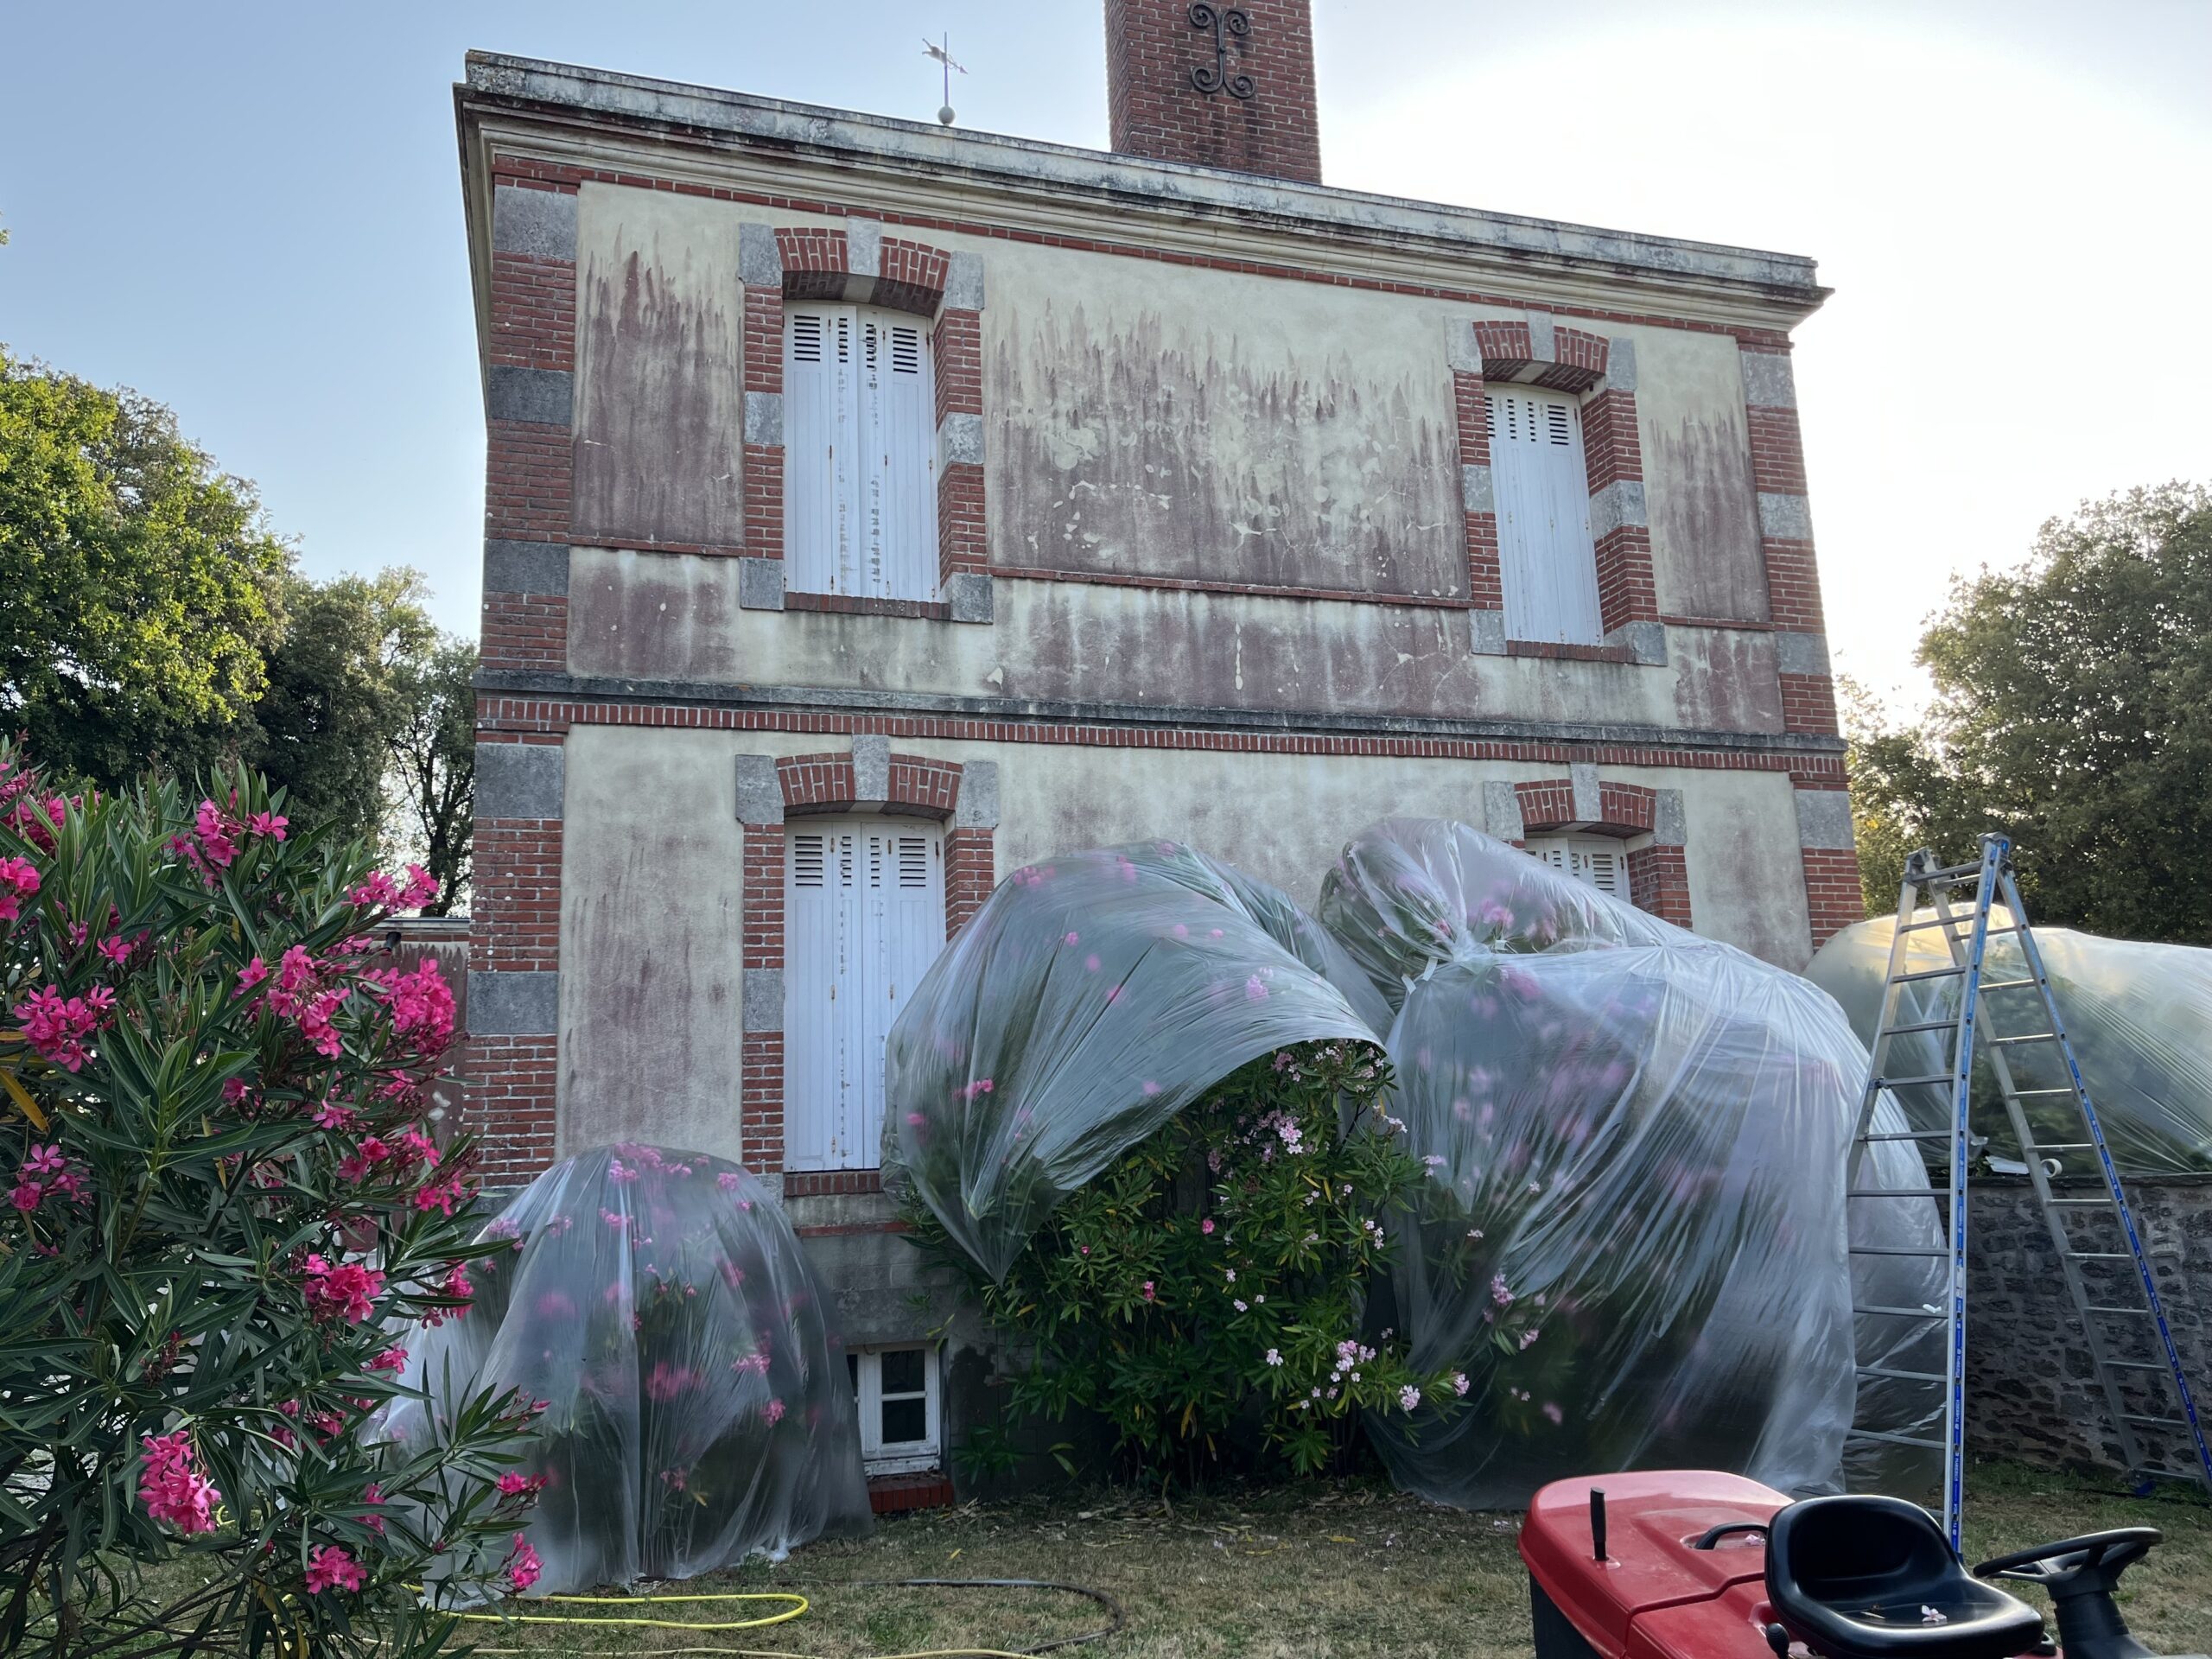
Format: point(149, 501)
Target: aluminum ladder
point(2164, 1442)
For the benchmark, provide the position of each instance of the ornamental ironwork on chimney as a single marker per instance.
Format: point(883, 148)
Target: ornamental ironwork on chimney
point(1215, 86)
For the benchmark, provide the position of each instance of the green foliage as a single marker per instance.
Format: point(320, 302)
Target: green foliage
point(1214, 1278)
point(225, 1216)
point(137, 581)
point(434, 766)
point(2073, 710)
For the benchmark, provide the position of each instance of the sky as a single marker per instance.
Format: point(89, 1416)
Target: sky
point(252, 214)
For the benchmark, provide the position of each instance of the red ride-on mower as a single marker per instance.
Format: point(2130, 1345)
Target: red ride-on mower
point(1693, 1564)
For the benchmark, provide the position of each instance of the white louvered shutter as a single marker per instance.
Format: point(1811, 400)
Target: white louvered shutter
point(1542, 492)
point(1596, 860)
point(899, 483)
point(820, 448)
point(864, 921)
point(860, 453)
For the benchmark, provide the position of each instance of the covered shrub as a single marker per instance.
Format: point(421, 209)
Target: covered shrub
point(697, 1407)
point(1633, 1239)
point(2139, 1016)
point(1094, 997)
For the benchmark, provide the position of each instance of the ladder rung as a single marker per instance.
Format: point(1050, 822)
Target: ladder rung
point(1896, 1439)
point(1950, 872)
point(2075, 1203)
point(1890, 1192)
point(1957, 924)
point(2172, 1474)
point(2059, 1146)
point(2132, 1312)
point(1925, 1024)
point(2100, 1255)
point(2029, 1037)
point(1928, 973)
point(1893, 1250)
point(1901, 1313)
point(1902, 1376)
point(2005, 984)
point(1909, 1135)
point(2155, 1422)
point(2021, 1094)
point(2139, 1364)
point(1908, 1082)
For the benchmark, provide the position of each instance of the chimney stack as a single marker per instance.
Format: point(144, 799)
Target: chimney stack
point(1215, 85)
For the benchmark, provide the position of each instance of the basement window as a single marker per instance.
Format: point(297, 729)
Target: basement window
point(897, 1390)
point(1598, 860)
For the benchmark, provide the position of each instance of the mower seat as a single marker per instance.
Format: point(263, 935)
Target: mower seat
point(1874, 1577)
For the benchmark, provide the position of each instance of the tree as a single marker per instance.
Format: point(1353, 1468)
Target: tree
point(2073, 711)
point(322, 730)
point(134, 581)
point(226, 1217)
point(434, 764)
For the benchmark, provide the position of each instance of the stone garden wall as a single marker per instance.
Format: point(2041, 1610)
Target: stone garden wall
point(2030, 1388)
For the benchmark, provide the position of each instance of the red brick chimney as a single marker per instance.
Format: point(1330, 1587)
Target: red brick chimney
point(1215, 85)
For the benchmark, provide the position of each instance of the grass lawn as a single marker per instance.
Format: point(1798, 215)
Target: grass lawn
point(1319, 1571)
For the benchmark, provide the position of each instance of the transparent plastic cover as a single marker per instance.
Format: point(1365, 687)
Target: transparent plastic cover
point(2139, 1017)
point(1633, 1236)
point(699, 1408)
point(1634, 1239)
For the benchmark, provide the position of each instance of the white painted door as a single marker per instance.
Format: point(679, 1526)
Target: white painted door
point(1597, 860)
point(864, 918)
point(1543, 492)
point(860, 453)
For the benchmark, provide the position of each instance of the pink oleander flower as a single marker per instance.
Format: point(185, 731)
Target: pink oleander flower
point(271, 824)
point(213, 832)
point(422, 1008)
point(514, 1484)
point(1408, 1397)
point(1147, 1290)
point(1275, 1358)
point(1206, 1226)
point(1553, 1412)
point(522, 1564)
point(44, 1160)
point(1459, 1383)
point(18, 881)
point(1499, 1292)
point(173, 1492)
point(330, 1567)
point(333, 1114)
point(56, 1026)
point(393, 1358)
point(373, 1496)
point(348, 1292)
point(442, 1196)
point(773, 1411)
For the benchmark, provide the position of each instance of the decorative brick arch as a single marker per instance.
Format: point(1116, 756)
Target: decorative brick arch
point(856, 262)
point(870, 777)
point(1658, 872)
point(1533, 349)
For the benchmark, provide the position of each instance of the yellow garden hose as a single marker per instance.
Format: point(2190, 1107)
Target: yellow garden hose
point(791, 1612)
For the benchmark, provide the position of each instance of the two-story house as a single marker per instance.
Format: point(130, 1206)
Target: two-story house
point(873, 507)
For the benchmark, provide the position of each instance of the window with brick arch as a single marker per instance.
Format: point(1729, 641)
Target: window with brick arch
point(864, 909)
point(1547, 564)
point(860, 452)
point(1599, 861)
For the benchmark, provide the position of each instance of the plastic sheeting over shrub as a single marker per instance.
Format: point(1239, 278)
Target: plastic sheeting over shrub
point(1635, 1238)
point(699, 1409)
point(1090, 1000)
point(2139, 1016)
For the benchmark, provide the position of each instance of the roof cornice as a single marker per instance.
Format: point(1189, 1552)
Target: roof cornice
point(599, 118)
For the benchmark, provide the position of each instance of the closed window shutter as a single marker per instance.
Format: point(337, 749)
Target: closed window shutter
point(1596, 861)
point(1547, 566)
point(860, 453)
point(821, 448)
point(864, 921)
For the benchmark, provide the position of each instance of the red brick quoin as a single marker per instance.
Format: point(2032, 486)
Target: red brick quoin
point(812, 785)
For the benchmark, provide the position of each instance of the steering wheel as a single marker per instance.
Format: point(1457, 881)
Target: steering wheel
point(2115, 1552)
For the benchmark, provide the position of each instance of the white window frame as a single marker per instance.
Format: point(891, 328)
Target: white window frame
point(860, 452)
point(900, 1456)
point(1575, 855)
point(824, 947)
point(1548, 560)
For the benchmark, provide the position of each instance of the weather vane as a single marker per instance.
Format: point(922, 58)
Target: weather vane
point(942, 51)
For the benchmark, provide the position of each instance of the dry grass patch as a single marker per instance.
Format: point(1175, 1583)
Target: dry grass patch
point(1322, 1570)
